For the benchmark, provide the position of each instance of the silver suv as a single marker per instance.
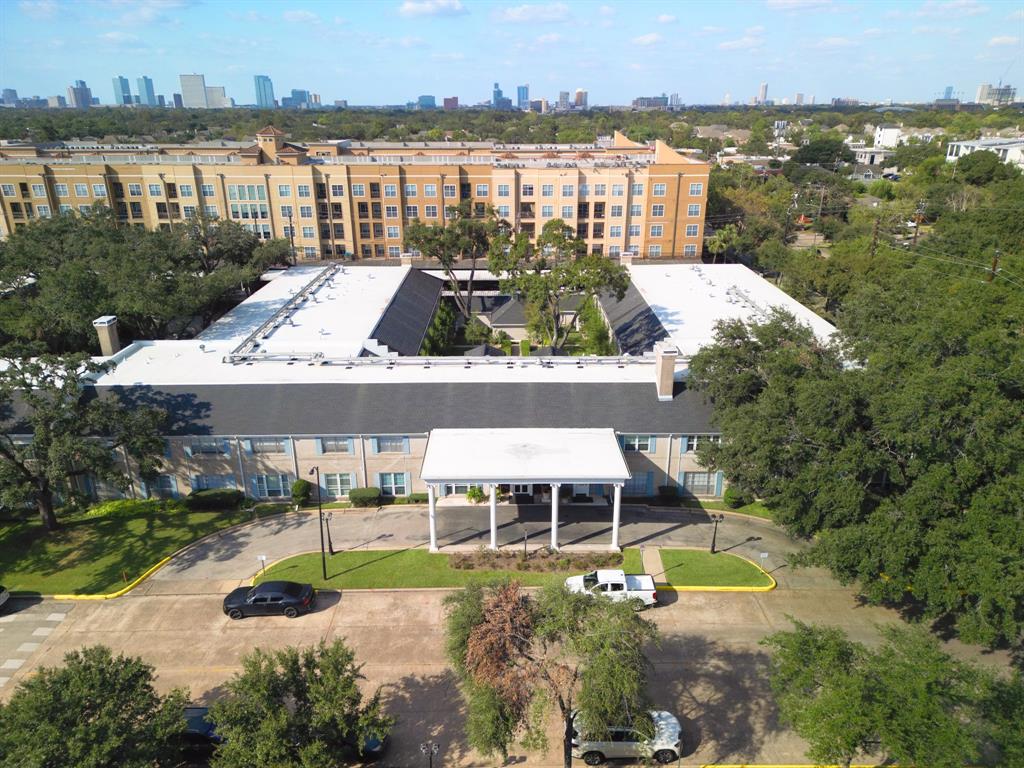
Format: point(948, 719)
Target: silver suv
point(628, 742)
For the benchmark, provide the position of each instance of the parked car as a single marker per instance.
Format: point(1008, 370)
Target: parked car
point(630, 742)
point(616, 585)
point(5, 595)
point(200, 738)
point(271, 598)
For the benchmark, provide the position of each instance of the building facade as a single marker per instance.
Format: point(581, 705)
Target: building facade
point(264, 92)
point(193, 91)
point(147, 96)
point(354, 199)
point(122, 92)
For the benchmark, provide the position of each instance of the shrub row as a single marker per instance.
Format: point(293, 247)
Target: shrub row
point(539, 560)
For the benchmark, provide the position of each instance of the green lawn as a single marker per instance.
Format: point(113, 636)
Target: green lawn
point(98, 555)
point(697, 568)
point(754, 509)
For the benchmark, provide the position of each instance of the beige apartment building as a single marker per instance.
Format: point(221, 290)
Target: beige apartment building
point(354, 199)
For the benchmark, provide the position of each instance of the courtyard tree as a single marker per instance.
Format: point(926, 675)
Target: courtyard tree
point(296, 708)
point(53, 431)
point(517, 655)
point(97, 711)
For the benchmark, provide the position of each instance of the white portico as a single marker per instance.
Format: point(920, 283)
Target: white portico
point(538, 456)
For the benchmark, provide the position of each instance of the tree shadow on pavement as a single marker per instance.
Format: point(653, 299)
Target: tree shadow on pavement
point(720, 694)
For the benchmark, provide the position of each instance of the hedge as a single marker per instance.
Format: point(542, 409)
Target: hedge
point(302, 491)
point(365, 497)
point(215, 498)
point(133, 508)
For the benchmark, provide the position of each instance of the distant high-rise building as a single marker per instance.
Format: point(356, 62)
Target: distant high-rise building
point(451, 102)
point(341, 103)
point(10, 96)
point(264, 92)
point(56, 102)
point(496, 95)
point(299, 99)
point(79, 95)
point(674, 100)
point(995, 96)
point(581, 99)
point(799, 99)
point(122, 91)
point(498, 100)
point(147, 96)
point(947, 93)
point(811, 102)
point(178, 101)
point(726, 100)
point(426, 102)
point(762, 94)
point(650, 102)
point(193, 91)
point(563, 99)
point(523, 96)
point(160, 101)
point(216, 97)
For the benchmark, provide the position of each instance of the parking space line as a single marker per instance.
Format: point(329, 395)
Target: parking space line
point(56, 617)
point(42, 631)
point(28, 647)
point(12, 664)
point(3, 681)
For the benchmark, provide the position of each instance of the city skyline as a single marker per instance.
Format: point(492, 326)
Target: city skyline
point(460, 48)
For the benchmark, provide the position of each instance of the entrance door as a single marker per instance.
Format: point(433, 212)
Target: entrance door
point(523, 488)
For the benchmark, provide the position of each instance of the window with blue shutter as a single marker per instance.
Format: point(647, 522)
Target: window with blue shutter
point(652, 444)
point(247, 447)
point(319, 445)
point(718, 484)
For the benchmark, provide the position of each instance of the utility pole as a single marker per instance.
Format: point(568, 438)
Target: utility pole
point(995, 266)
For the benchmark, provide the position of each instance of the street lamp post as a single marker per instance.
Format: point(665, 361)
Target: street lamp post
point(291, 238)
point(429, 750)
point(716, 519)
point(320, 509)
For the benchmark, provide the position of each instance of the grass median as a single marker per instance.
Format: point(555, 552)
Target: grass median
point(697, 568)
point(90, 555)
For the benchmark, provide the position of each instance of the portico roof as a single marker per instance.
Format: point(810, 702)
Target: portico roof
point(537, 455)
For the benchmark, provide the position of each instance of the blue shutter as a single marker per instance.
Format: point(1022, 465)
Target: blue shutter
point(653, 444)
point(288, 445)
point(684, 439)
point(225, 446)
point(374, 447)
point(622, 442)
point(167, 449)
point(650, 483)
point(188, 450)
point(718, 484)
point(351, 447)
point(144, 489)
point(377, 476)
point(174, 486)
point(408, 481)
point(255, 488)
point(247, 447)
point(319, 443)
point(352, 480)
point(405, 445)
point(194, 482)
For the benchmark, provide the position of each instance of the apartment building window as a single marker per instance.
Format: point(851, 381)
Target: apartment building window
point(547, 211)
point(503, 190)
point(430, 211)
point(308, 232)
point(637, 443)
point(309, 252)
point(479, 209)
point(412, 211)
point(483, 190)
point(693, 209)
point(135, 208)
point(244, 192)
point(363, 210)
point(600, 189)
point(658, 209)
point(338, 484)
point(598, 210)
point(359, 190)
point(389, 444)
point(410, 190)
point(208, 482)
point(618, 190)
point(82, 190)
point(365, 250)
point(691, 230)
point(304, 190)
point(306, 211)
point(430, 190)
point(339, 230)
point(584, 190)
point(190, 211)
point(206, 189)
point(616, 212)
point(581, 231)
point(697, 188)
point(393, 233)
point(547, 190)
point(321, 191)
point(393, 483)
point(38, 190)
point(67, 208)
point(615, 230)
point(527, 190)
point(267, 445)
point(288, 231)
point(568, 190)
point(583, 211)
point(394, 251)
point(364, 230)
point(504, 211)
point(614, 250)
point(62, 189)
point(16, 211)
point(207, 446)
point(86, 209)
point(658, 190)
point(375, 210)
point(597, 249)
point(8, 189)
point(43, 211)
point(283, 190)
point(689, 250)
point(654, 250)
point(634, 230)
point(337, 190)
point(567, 211)
point(286, 211)
point(636, 210)
point(390, 190)
point(657, 230)
point(638, 189)
point(374, 189)
point(698, 483)
point(336, 211)
point(118, 189)
point(378, 230)
point(185, 190)
point(640, 484)
point(448, 190)
point(391, 211)
point(692, 441)
point(598, 229)
point(322, 210)
point(271, 486)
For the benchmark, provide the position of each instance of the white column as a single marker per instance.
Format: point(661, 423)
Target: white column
point(616, 515)
point(494, 516)
point(432, 516)
point(554, 516)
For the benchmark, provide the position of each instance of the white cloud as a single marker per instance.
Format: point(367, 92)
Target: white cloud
point(410, 41)
point(300, 17)
point(667, 18)
point(525, 14)
point(447, 56)
point(606, 10)
point(872, 32)
point(952, 8)
point(704, 31)
point(937, 31)
point(432, 8)
point(834, 43)
point(1017, 15)
point(648, 39)
point(798, 5)
point(549, 38)
point(38, 9)
point(1000, 40)
point(140, 12)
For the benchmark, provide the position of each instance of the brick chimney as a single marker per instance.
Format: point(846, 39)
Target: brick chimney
point(665, 354)
point(106, 329)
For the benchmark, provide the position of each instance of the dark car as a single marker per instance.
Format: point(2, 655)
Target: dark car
point(200, 738)
point(4, 596)
point(271, 598)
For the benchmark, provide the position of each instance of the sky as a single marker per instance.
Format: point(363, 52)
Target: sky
point(391, 51)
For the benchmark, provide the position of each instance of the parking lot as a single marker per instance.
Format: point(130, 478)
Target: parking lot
point(24, 627)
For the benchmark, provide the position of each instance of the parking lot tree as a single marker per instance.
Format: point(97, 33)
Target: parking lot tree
point(73, 435)
point(908, 700)
point(96, 711)
point(296, 708)
point(517, 655)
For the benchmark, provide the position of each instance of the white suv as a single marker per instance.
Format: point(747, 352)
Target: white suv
point(625, 741)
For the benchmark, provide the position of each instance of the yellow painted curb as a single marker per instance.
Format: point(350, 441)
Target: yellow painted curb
point(789, 765)
point(662, 587)
point(123, 590)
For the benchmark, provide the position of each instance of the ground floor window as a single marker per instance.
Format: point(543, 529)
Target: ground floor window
point(164, 487)
point(640, 484)
point(338, 484)
point(459, 488)
point(206, 482)
point(699, 483)
point(393, 483)
point(271, 486)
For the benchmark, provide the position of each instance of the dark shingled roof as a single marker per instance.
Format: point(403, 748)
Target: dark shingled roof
point(411, 408)
point(484, 350)
point(634, 325)
point(404, 323)
point(513, 313)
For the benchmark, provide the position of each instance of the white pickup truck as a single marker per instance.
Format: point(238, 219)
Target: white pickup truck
point(616, 585)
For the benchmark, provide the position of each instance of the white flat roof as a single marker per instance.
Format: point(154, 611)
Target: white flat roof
point(690, 299)
point(523, 455)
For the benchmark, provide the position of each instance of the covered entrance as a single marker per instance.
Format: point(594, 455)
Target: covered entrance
point(524, 458)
